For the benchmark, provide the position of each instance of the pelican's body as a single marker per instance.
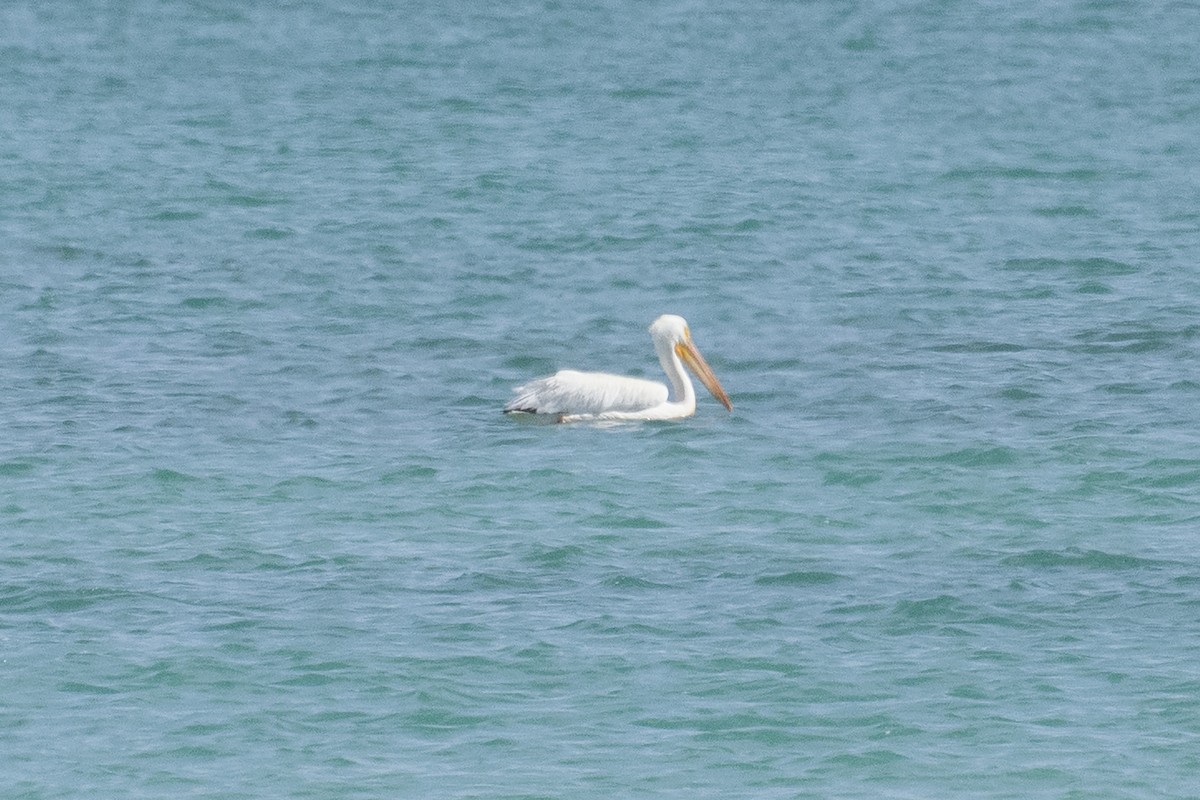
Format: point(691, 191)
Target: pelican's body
point(570, 395)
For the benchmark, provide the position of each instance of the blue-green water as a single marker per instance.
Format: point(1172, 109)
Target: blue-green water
point(270, 270)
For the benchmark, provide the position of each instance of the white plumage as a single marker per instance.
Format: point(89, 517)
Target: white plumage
point(571, 395)
point(571, 392)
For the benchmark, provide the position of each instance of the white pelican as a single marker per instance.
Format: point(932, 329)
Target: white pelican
point(573, 396)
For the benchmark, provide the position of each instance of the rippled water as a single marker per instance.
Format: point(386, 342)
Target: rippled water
point(269, 275)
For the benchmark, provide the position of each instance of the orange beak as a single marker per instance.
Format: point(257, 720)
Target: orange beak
point(687, 352)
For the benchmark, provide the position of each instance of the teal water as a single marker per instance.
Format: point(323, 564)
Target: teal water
point(269, 272)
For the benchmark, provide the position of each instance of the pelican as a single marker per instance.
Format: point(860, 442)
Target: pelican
point(573, 396)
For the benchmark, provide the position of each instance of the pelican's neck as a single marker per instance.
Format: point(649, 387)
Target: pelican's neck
point(682, 391)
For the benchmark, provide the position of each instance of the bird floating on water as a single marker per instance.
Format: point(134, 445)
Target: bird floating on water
point(573, 396)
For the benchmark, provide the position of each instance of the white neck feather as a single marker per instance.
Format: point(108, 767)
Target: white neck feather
point(682, 391)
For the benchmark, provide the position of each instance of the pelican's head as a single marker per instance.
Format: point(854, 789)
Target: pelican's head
point(671, 334)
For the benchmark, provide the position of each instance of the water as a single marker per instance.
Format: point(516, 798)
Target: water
point(270, 272)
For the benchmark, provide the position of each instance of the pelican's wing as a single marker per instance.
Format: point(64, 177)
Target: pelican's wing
point(571, 392)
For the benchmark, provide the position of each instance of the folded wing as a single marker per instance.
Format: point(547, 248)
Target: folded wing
point(571, 392)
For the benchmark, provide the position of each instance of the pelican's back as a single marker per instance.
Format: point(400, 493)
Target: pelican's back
point(572, 392)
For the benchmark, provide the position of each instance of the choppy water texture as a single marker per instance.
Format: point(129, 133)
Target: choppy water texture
point(270, 270)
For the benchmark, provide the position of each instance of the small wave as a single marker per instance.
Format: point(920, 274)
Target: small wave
point(799, 578)
point(1078, 559)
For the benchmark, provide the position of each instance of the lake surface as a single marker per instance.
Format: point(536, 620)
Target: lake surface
point(269, 273)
